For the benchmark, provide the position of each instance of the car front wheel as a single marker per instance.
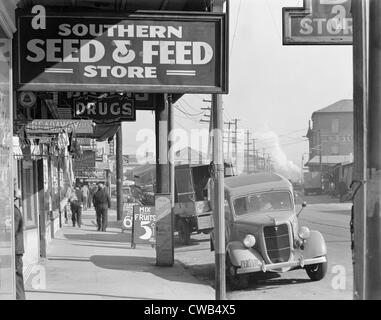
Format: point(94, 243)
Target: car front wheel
point(317, 271)
point(236, 281)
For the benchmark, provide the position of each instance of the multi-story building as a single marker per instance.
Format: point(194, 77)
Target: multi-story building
point(331, 136)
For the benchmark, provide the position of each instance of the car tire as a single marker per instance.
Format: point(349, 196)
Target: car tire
point(236, 281)
point(317, 271)
point(184, 232)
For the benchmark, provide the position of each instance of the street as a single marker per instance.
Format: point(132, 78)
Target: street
point(323, 214)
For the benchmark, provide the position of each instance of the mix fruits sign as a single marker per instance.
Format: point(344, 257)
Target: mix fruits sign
point(318, 22)
point(173, 53)
point(144, 230)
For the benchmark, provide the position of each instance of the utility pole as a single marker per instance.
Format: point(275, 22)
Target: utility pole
point(209, 121)
point(219, 170)
point(236, 142)
point(320, 157)
point(247, 144)
point(119, 173)
point(229, 123)
point(253, 144)
point(373, 196)
point(360, 14)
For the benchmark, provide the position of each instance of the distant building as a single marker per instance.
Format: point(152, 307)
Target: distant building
point(189, 156)
point(332, 131)
point(331, 137)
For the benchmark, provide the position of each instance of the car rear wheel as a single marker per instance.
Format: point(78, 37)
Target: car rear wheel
point(236, 281)
point(317, 271)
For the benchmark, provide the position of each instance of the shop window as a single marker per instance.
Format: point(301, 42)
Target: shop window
point(30, 194)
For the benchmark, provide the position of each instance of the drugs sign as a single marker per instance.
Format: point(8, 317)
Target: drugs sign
point(172, 53)
point(318, 22)
point(105, 110)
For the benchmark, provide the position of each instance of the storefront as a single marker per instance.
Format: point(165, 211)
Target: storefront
point(7, 274)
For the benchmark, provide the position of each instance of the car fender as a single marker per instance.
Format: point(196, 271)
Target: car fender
point(238, 252)
point(315, 245)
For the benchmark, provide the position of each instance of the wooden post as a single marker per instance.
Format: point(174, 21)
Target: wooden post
point(219, 216)
point(373, 196)
point(119, 173)
point(164, 230)
point(360, 100)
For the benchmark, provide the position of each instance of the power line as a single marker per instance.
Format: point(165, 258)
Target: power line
point(188, 104)
point(273, 20)
point(187, 113)
point(236, 27)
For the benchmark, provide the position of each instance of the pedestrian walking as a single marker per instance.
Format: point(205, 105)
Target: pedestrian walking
point(101, 202)
point(19, 248)
point(76, 204)
point(85, 195)
point(93, 188)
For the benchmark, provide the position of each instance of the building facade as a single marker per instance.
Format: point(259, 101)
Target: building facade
point(332, 130)
point(7, 275)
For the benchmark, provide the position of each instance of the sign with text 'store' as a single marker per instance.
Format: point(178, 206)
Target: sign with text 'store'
point(173, 53)
point(319, 22)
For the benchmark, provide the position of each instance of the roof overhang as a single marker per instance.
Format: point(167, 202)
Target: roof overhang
point(123, 5)
point(329, 160)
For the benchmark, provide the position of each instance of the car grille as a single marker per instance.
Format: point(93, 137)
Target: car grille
point(277, 242)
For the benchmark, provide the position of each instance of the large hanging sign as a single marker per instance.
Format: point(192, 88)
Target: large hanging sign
point(106, 110)
point(318, 22)
point(141, 101)
point(86, 160)
point(172, 53)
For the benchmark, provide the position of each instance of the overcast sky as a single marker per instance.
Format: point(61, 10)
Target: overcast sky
point(274, 89)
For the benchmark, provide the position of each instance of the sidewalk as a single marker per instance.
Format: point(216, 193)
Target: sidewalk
point(83, 264)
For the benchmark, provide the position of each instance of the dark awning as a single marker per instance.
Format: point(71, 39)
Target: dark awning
point(123, 5)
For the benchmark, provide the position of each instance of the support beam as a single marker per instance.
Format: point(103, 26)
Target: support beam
point(161, 128)
point(164, 181)
point(360, 99)
point(218, 183)
point(219, 216)
point(119, 174)
point(373, 198)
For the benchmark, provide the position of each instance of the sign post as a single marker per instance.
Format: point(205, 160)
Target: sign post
point(164, 232)
point(144, 225)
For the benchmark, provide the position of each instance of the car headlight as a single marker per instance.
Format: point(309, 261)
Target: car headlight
point(304, 233)
point(249, 241)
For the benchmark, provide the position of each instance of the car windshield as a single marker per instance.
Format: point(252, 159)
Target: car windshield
point(263, 202)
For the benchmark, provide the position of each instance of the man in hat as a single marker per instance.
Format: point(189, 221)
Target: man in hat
point(19, 247)
point(76, 204)
point(101, 202)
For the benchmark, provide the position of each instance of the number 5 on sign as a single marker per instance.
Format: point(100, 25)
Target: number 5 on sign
point(147, 229)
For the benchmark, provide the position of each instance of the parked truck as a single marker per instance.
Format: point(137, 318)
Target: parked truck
point(312, 183)
point(192, 211)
